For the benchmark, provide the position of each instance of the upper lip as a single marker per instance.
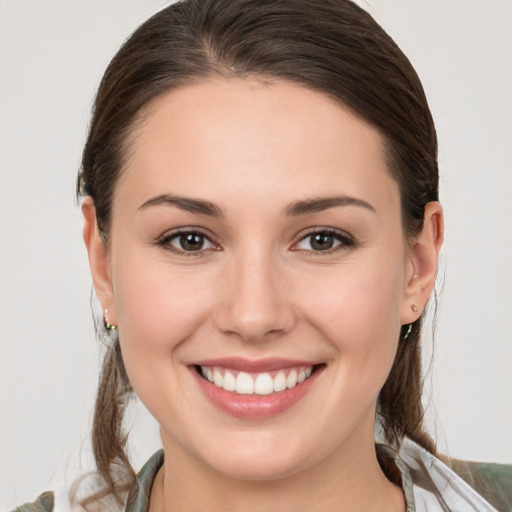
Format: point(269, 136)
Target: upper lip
point(254, 366)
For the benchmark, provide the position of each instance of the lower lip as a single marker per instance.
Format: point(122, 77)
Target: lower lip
point(255, 406)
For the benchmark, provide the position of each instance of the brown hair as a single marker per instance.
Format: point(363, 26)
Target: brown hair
point(331, 46)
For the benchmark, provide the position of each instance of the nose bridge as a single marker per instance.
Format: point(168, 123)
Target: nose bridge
point(255, 303)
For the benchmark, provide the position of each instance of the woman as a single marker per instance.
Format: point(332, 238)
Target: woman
point(262, 222)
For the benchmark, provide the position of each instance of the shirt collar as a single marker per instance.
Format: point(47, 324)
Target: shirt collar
point(140, 491)
point(427, 483)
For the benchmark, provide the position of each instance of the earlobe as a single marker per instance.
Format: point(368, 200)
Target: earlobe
point(423, 258)
point(99, 262)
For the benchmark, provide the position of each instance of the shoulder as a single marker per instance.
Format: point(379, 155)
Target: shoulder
point(44, 503)
point(443, 483)
point(67, 497)
point(492, 481)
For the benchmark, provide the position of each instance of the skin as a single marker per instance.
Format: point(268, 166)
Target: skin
point(258, 289)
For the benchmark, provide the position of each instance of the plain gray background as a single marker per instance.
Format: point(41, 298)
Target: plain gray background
point(52, 55)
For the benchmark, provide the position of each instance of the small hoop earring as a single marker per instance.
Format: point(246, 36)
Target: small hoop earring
point(409, 330)
point(106, 323)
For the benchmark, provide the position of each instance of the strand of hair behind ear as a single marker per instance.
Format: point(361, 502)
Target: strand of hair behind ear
point(400, 400)
point(108, 438)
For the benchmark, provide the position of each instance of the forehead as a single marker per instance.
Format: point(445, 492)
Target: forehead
point(222, 138)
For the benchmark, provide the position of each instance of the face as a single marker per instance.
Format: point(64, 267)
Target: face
point(256, 242)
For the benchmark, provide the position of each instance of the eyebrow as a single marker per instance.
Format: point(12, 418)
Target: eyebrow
point(324, 203)
point(201, 207)
point(187, 204)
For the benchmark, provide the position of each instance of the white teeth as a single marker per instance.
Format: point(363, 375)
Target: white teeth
point(217, 378)
point(229, 383)
point(244, 384)
point(261, 384)
point(280, 382)
point(264, 384)
point(291, 380)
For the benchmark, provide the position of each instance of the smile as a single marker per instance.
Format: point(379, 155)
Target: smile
point(265, 383)
point(255, 390)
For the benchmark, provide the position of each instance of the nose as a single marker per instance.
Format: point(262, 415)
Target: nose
point(254, 304)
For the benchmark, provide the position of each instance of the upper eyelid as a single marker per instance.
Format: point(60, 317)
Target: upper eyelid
point(333, 231)
point(168, 235)
point(185, 230)
point(346, 239)
point(164, 242)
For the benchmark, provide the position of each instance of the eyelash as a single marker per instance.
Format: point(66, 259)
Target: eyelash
point(166, 240)
point(346, 241)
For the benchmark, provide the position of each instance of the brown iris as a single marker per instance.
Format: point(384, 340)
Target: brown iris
point(192, 241)
point(322, 241)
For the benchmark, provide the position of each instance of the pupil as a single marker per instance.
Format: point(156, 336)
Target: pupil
point(191, 242)
point(322, 242)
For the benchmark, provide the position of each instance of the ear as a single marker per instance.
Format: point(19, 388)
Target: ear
point(423, 254)
point(99, 261)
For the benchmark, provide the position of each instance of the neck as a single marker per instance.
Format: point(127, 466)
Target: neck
point(339, 483)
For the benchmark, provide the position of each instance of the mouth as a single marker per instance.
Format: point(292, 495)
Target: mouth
point(255, 390)
point(258, 383)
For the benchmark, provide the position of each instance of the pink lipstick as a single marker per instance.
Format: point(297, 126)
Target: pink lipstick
point(255, 389)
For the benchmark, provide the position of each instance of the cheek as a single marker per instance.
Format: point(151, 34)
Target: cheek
point(158, 312)
point(358, 307)
point(158, 308)
point(357, 310)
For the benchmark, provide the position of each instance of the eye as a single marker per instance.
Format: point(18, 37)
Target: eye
point(187, 242)
point(324, 240)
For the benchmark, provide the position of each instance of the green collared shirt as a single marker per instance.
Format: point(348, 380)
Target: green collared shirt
point(428, 484)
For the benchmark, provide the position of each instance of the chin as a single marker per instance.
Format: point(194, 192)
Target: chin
point(257, 469)
point(260, 459)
